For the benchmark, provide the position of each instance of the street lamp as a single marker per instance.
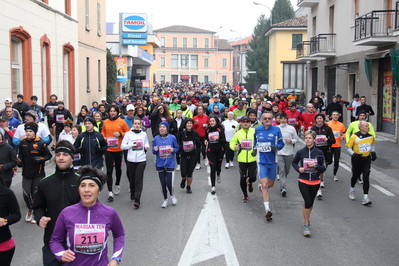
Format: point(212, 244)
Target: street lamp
point(259, 4)
point(239, 53)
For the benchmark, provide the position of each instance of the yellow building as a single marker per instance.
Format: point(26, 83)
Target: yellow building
point(284, 70)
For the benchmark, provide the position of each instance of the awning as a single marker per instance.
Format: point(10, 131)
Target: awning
point(376, 55)
point(185, 77)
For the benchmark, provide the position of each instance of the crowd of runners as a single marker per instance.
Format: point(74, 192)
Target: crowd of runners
point(186, 126)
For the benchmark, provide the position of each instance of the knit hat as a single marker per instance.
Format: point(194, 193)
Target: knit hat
point(91, 120)
point(356, 95)
point(252, 111)
point(166, 124)
point(32, 114)
point(32, 126)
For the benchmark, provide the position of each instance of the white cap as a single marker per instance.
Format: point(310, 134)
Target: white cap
point(129, 107)
point(103, 98)
point(8, 100)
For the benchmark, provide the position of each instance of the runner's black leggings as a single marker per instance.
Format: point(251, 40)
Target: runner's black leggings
point(113, 159)
point(229, 153)
point(6, 257)
point(188, 161)
point(215, 158)
point(247, 170)
point(361, 166)
point(136, 179)
point(203, 149)
point(336, 152)
point(309, 193)
point(29, 187)
point(166, 178)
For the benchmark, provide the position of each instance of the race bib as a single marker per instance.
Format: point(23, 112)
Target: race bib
point(89, 238)
point(51, 112)
point(213, 137)
point(112, 142)
point(264, 147)
point(76, 157)
point(188, 146)
point(320, 140)
point(291, 121)
point(307, 168)
point(337, 134)
point(59, 118)
point(164, 151)
point(365, 147)
point(246, 144)
point(138, 145)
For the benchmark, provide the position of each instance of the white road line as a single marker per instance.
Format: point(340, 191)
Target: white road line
point(209, 238)
point(383, 190)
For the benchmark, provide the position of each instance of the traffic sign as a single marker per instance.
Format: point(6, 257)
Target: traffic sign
point(238, 73)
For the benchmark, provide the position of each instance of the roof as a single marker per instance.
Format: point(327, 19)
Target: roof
point(242, 41)
point(295, 22)
point(222, 44)
point(182, 28)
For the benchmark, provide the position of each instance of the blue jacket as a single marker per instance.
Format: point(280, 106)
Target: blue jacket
point(221, 107)
point(271, 136)
point(168, 159)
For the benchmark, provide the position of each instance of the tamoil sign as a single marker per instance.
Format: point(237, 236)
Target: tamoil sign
point(134, 22)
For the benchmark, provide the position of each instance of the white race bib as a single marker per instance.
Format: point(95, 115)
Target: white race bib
point(164, 151)
point(213, 137)
point(307, 168)
point(365, 147)
point(188, 146)
point(264, 147)
point(89, 238)
point(320, 140)
point(246, 144)
point(112, 142)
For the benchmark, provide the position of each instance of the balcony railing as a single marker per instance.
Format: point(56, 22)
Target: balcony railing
point(378, 23)
point(322, 43)
point(397, 16)
point(302, 49)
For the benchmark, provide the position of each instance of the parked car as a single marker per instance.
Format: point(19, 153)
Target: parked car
point(263, 88)
point(298, 92)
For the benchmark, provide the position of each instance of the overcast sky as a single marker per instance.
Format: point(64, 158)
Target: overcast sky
point(240, 16)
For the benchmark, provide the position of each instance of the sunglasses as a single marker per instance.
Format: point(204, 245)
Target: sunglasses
point(267, 118)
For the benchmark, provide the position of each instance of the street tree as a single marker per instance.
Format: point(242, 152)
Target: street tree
point(111, 76)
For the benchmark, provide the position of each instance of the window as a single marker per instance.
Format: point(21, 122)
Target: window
point(184, 60)
point(87, 8)
point(224, 62)
point(194, 61)
point(296, 38)
point(224, 79)
point(45, 66)
point(163, 61)
point(184, 42)
point(162, 41)
point(206, 42)
point(98, 19)
point(194, 78)
point(234, 61)
point(294, 76)
point(67, 7)
point(87, 74)
point(175, 60)
point(162, 77)
point(99, 74)
point(175, 78)
point(194, 42)
point(16, 66)
point(314, 26)
point(238, 60)
point(206, 62)
point(331, 19)
point(356, 8)
point(206, 79)
point(174, 41)
point(69, 76)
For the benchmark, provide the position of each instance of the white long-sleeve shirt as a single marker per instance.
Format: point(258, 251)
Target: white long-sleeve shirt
point(135, 143)
point(229, 127)
point(288, 132)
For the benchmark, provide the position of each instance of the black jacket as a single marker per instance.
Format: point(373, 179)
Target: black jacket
point(32, 155)
point(312, 153)
point(189, 136)
point(174, 129)
point(155, 121)
point(327, 131)
point(8, 160)
point(9, 209)
point(22, 108)
point(218, 144)
point(65, 112)
point(55, 192)
point(91, 146)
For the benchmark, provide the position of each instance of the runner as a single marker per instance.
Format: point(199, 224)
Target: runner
point(230, 125)
point(339, 133)
point(307, 119)
point(201, 121)
point(135, 142)
point(309, 162)
point(8, 160)
point(268, 139)
point(361, 146)
point(242, 142)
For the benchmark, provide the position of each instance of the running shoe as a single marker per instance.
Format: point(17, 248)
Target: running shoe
point(174, 200)
point(198, 166)
point(213, 191)
point(165, 203)
point(278, 176)
point(366, 201)
point(219, 178)
point(335, 178)
point(250, 186)
point(33, 221)
point(183, 183)
point(351, 194)
point(110, 196)
point(227, 166)
point(206, 162)
point(360, 181)
point(306, 229)
point(245, 198)
point(178, 167)
point(269, 216)
point(322, 184)
point(189, 190)
point(319, 194)
point(231, 164)
point(283, 192)
point(28, 216)
point(136, 204)
point(117, 190)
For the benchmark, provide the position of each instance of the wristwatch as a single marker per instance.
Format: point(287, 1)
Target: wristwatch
point(118, 260)
point(5, 222)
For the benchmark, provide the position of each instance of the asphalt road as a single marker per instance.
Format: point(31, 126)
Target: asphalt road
point(205, 229)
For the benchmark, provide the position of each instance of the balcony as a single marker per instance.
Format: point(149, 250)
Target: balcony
point(375, 28)
point(303, 52)
point(323, 45)
point(396, 30)
point(307, 3)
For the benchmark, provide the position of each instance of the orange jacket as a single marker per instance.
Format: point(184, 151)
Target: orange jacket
point(108, 129)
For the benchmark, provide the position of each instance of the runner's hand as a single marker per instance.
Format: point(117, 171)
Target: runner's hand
point(68, 256)
point(373, 156)
point(43, 221)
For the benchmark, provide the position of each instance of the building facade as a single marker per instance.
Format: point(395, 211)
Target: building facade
point(240, 49)
point(284, 70)
point(192, 55)
point(39, 49)
point(352, 48)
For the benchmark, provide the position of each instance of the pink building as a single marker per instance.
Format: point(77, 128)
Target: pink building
point(192, 55)
point(240, 49)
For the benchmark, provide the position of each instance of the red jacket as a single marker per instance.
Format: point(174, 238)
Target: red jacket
point(307, 120)
point(199, 126)
point(291, 116)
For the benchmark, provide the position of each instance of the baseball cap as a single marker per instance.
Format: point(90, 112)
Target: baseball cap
point(103, 98)
point(240, 103)
point(269, 102)
point(130, 107)
point(244, 118)
point(8, 100)
point(3, 118)
point(339, 95)
point(216, 96)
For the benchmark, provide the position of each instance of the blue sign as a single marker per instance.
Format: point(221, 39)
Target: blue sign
point(134, 41)
point(138, 35)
